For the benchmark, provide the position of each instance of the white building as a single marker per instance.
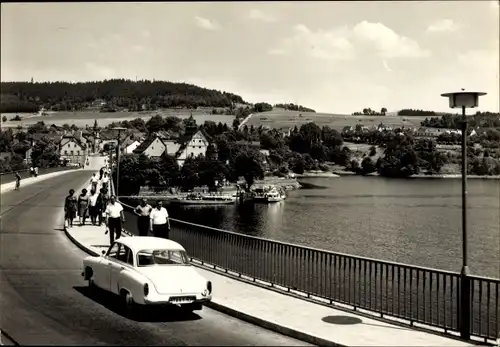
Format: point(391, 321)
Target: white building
point(153, 146)
point(172, 147)
point(193, 148)
point(131, 148)
point(72, 150)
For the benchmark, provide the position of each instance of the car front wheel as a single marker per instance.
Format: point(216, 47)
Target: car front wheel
point(129, 303)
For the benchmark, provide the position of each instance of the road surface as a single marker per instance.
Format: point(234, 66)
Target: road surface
point(43, 299)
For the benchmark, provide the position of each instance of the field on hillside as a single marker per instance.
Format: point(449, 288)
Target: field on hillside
point(285, 119)
point(81, 119)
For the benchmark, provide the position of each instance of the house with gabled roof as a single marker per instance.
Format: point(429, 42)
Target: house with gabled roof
point(193, 147)
point(73, 150)
point(153, 146)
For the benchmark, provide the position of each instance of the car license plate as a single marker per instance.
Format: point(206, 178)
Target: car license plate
point(182, 299)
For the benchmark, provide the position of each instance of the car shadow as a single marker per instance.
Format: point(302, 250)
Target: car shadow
point(164, 314)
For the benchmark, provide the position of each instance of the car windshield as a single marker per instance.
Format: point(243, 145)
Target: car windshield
point(150, 257)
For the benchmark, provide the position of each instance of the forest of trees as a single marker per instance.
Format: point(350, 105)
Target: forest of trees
point(293, 107)
point(118, 93)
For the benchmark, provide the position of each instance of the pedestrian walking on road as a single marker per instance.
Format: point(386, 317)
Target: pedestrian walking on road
point(105, 181)
point(18, 180)
point(94, 208)
point(93, 181)
point(114, 219)
point(83, 206)
point(143, 210)
point(102, 202)
point(70, 207)
point(160, 225)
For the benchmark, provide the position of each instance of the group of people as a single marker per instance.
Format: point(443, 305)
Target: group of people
point(101, 209)
point(154, 220)
point(34, 171)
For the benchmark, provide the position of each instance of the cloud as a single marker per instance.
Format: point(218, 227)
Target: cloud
point(329, 45)
point(344, 43)
point(442, 25)
point(206, 24)
point(261, 16)
point(146, 34)
point(387, 43)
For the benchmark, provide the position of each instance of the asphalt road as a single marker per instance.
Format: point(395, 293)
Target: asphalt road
point(43, 298)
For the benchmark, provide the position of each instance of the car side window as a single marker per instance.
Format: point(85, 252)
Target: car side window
point(130, 258)
point(122, 253)
point(113, 250)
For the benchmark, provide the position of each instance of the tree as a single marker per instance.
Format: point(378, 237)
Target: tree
point(383, 111)
point(133, 173)
point(236, 124)
point(367, 166)
point(45, 153)
point(248, 163)
point(155, 124)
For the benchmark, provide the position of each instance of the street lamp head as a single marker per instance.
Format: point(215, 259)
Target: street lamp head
point(463, 99)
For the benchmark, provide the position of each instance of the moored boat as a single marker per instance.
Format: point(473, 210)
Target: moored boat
point(204, 199)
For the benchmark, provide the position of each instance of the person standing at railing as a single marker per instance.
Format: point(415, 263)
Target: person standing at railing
point(143, 211)
point(18, 180)
point(114, 219)
point(101, 172)
point(160, 225)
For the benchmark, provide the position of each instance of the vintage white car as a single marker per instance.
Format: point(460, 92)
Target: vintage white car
point(148, 271)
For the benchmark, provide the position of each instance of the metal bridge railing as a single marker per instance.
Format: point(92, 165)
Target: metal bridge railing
point(414, 294)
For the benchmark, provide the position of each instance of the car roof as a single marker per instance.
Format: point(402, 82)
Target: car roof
point(140, 243)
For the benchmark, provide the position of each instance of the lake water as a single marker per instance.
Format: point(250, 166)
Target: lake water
point(416, 221)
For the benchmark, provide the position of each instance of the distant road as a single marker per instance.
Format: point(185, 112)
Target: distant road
point(43, 299)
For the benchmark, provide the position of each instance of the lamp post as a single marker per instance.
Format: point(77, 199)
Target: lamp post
point(119, 129)
point(464, 100)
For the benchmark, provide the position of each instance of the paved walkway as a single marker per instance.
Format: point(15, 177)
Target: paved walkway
point(292, 316)
point(27, 181)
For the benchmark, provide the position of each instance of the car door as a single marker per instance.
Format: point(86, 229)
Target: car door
point(118, 266)
point(107, 263)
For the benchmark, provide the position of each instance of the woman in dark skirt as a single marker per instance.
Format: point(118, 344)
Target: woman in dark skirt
point(94, 208)
point(83, 205)
point(70, 207)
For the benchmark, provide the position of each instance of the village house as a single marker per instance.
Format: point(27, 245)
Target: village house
point(197, 145)
point(152, 147)
point(72, 150)
point(434, 132)
point(129, 148)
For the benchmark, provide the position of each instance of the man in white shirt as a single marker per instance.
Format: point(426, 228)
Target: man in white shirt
point(94, 181)
point(160, 225)
point(114, 219)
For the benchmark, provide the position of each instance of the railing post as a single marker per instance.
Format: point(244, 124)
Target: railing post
point(465, 306)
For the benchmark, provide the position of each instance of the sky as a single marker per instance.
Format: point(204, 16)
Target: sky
point(335, 57)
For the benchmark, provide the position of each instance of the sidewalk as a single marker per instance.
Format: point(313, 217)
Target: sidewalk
point(282, 313)
point(6, 187)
